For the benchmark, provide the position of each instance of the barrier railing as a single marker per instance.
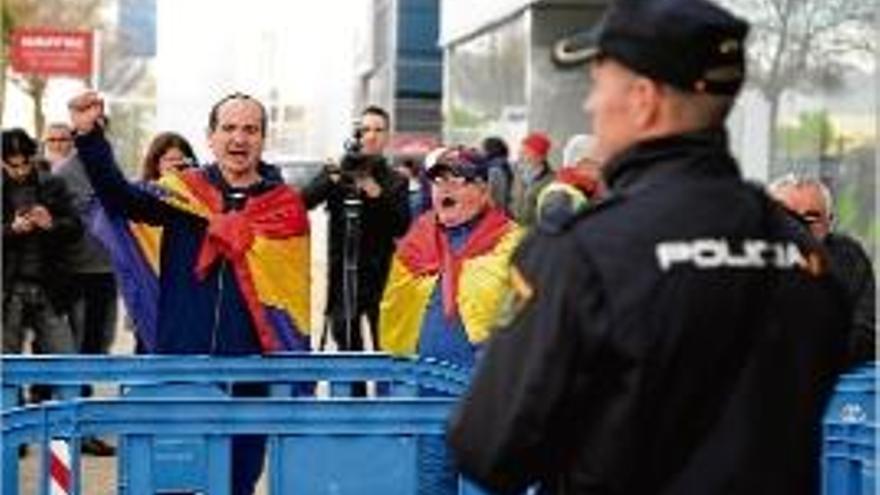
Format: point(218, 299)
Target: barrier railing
point(331, 444)
point(334, 444)
point(849, 435)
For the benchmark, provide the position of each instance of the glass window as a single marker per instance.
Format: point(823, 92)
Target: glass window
point(486, 90)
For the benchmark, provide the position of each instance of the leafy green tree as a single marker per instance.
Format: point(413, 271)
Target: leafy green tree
point(813, 136)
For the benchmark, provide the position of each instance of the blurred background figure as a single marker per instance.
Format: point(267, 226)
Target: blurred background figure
point(418, 187)
point(577, 148)
point(808, 199)
point(167, 151)
point(578, 184)
point(38, 221)
point(533, 174)
point(93, 308)
point(500, 174)
point(57, 143)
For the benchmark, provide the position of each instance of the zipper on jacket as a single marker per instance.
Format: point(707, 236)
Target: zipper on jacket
point(216, 327)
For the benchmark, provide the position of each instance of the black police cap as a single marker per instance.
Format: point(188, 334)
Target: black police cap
point(693, 45)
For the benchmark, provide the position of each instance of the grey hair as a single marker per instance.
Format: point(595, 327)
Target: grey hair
point(578, 147)
point(793, 180)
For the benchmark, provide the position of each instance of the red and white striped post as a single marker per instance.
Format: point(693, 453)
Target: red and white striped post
point(59, 467)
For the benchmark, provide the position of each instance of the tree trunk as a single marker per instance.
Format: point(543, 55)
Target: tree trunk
point(774, 167)
point(2, 89)
point(37, 90)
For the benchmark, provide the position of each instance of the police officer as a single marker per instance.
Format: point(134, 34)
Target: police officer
point(682, 336)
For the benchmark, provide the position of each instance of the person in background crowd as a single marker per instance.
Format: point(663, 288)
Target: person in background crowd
point(234, 275)
point(578, 184)
point(449, 277)
point(38, 221)
point(449, 273)
point(94, 306)
point(57, 143)
point(500, 175)
point(681, 337)
point(534, 173)
point(811, 202)
point(167, 152)
point(418, 186)
point(384, 217)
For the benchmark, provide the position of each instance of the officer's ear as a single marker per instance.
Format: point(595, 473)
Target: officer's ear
point(646, 97)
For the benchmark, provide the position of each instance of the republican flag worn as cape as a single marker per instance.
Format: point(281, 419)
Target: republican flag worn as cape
point(266, 244)
point(134, 254)
point(474, 279)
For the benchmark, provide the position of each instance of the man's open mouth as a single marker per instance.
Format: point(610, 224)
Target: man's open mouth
point(448, 202)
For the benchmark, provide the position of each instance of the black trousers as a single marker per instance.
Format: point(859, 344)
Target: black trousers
point(351, 338)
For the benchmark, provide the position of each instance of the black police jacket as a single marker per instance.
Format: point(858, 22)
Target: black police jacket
point(679, 338)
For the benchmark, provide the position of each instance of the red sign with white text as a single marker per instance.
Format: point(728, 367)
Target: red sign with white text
point(412, 143)
point(52, 52)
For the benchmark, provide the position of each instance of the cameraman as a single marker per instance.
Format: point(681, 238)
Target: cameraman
point(364, 174)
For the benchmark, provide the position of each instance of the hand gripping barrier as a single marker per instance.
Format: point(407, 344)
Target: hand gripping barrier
point(174, 424)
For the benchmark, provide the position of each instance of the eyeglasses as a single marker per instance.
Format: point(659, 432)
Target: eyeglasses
point(811, 217)
point(58, 139)
point(450, 178)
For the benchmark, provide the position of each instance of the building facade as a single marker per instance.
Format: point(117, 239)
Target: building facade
point(812, 111)
point(400, 69)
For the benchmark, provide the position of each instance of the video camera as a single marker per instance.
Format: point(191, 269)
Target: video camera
point(354, 164)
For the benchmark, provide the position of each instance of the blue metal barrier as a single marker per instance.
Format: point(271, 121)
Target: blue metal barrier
point(849, 435)
point(316, 445)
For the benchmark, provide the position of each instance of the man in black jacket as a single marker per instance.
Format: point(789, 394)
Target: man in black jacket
point(383, 217)
point(810, 201)
point(682, 336)
point(38, 221)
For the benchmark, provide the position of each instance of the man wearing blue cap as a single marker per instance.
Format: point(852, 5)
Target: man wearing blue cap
point(450, 272)
point(681, 336)
point(449, 276)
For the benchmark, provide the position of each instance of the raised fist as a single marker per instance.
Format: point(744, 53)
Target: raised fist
point(86, 111)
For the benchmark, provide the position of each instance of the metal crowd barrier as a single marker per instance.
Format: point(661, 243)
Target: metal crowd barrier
point(174, 425)
point(849, 435)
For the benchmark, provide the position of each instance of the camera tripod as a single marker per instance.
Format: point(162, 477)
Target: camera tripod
point(352, 206)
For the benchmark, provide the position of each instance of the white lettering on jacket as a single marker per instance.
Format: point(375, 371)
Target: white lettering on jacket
point(708, 254)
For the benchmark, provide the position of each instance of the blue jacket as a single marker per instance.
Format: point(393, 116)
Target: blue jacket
point(195, 316)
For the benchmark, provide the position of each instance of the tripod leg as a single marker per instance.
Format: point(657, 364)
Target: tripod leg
point(322, 343)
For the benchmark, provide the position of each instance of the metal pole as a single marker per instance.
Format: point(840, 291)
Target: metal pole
point(352, 210)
